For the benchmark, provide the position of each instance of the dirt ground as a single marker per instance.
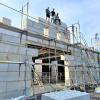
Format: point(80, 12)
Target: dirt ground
point(95, 96)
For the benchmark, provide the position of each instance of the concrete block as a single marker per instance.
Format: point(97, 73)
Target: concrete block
point(33, 39)
point(9, 76)
point(41, 20)
point(13, 67)
point(9, 48)
point(12, 57)
point(22, 67)
point(33, 52)
point(66, 95)
point(32, 30)
point(2, 96)
point(34, 27)
point(3, 67)
point(11, 39)
point(30, 52)
point(6, 21)
point(14, 75)
point(7, 32)
point(15, 85)
point(30, 22)
point(28, 75)
point(59, 45)
point(40, 41)
point(45, 42)
point(3, 76)
point(2, 87)
point(69, 57)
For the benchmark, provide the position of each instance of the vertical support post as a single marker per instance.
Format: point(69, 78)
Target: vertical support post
point(25, 78)
point(84, 69)
point(49, 64)
point(33, 76)
point(98, 57)
point(79, 32)
point(67, 74)
point(22, 18)
point(56, 64)
point(26, 59)
point(73, 33)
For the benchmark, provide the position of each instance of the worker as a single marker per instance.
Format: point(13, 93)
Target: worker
point(53, 15)
point(47, 14)
point(57, 19)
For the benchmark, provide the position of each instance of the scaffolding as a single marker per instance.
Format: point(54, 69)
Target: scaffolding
point(50, 50)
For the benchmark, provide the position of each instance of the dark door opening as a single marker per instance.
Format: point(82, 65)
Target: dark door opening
point(61, 72)
point(46, 72)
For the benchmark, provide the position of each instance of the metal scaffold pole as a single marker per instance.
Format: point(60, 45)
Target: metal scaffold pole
point(73, 34)
point(49, 64)
point(26, 59)
point(56, 64)
point(79, 32)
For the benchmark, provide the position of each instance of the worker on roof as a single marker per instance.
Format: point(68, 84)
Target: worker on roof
point(47, 14)
point(57, 19)
point(53, 15)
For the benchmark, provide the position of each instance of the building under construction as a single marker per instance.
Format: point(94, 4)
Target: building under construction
point(43, 57)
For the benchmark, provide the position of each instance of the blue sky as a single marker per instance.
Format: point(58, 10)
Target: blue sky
point(87, 12)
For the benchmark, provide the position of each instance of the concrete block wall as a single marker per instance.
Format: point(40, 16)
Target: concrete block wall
point(42, 27)
point(72, 75)
point(33, 26)
point(12, 76)
point(76, 74)
point(12, 81)
point(16, 53)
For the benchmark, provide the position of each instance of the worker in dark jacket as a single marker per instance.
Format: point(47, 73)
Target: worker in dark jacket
point(57, 19)
point(53, 15)
point(47, 14)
